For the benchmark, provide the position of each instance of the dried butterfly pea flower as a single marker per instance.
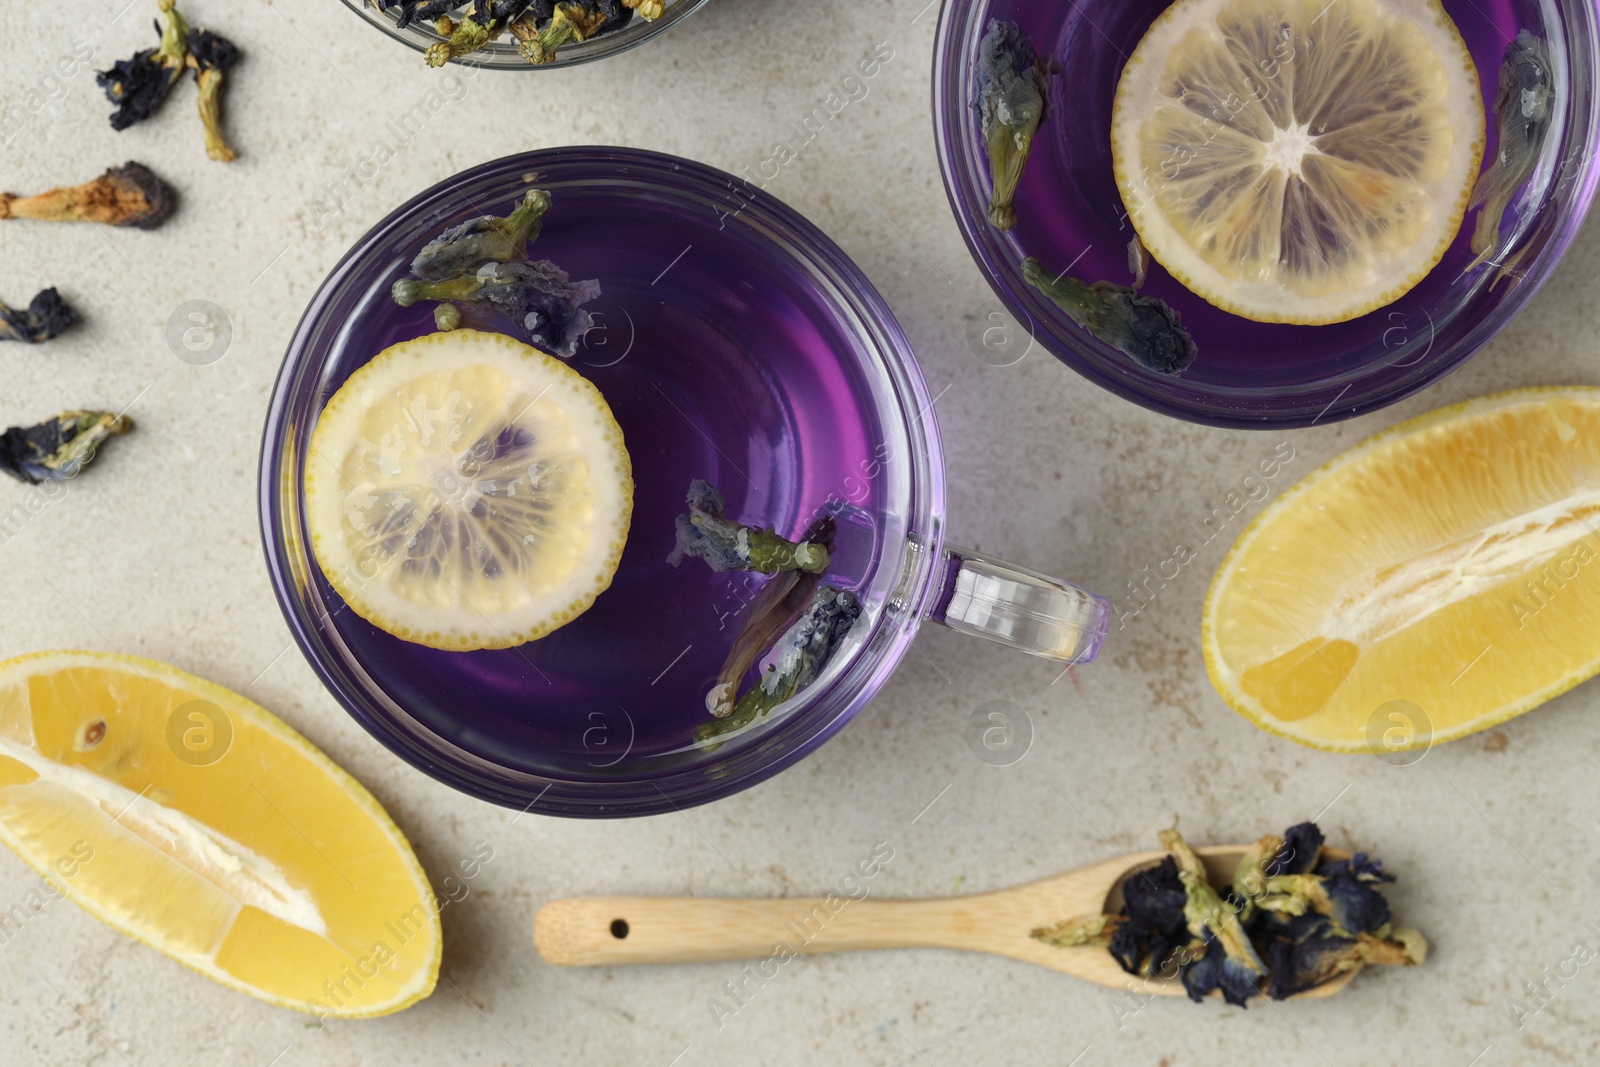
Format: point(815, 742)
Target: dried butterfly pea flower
point(59, 447)
point(1308, 951)
point(1290, 922)
point(409, 11)
point(129, 195)
point(568, 22)
point(139, 85)
point(467, 36)
point(47, 316)
point(1222, 955)
point(773, 610)
point(1010, 102)
point(480, 262)
point(466, 247)
point(1302, 849)
point(209, 55)
point(802, 655)
point(649, 10)
point(706, 533)
point(1143, 327)
point(538, 294)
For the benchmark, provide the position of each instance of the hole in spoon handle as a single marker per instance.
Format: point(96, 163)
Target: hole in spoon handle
point(1021, 608)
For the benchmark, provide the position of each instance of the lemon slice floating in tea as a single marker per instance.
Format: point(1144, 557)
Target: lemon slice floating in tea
point(185, 816)
point(1300, 161)
point(1452, 563)
point(466, 491)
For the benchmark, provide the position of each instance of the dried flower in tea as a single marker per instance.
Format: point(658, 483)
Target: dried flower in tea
point(129, 195)
point(802, 654)
point(1143, 327)
point(774, 608)
point(482, 262)
point(537, 294)
point(468, 246)
point(59, 447)
point(1010, 102)
point(47, 316)
point(1523, 109)
point(706, 533)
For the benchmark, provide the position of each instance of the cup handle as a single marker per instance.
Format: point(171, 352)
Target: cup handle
point(1026, 610)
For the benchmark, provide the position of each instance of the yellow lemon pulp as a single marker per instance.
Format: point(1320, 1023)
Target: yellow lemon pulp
point(186, 816)
point(1300, 161)
point(1450, 563)
point(466, 491)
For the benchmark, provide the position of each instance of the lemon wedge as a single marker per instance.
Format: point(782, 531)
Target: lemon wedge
point(466, 491)
point(1299, 161)
point(185, 816)
point(1451, 564)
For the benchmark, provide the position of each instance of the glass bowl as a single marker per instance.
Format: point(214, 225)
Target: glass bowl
point(739, 344)
point(1250, 374)
point(502, 54)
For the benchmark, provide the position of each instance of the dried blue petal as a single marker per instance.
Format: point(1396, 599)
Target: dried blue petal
point(1010, 102)
point(137, 86)
point(1155, 897)
point(501, 11)
point(1143, 950)
point(411, 11)
point(1215, 968)
point(58, 448)
point(47, 316)
point(211, 51)
point(1201, 971)
point(1353, 903)
point(1302, 845)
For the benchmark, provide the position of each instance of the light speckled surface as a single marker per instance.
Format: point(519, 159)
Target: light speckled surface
point(156, 552)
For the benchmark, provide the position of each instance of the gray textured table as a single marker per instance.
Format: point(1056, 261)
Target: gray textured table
point(157, 553)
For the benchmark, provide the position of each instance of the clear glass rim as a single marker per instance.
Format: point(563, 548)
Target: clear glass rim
point(965, 179)
point(503, 55)
point(837, 697)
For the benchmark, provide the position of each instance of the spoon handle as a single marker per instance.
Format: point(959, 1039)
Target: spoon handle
point(588, 931)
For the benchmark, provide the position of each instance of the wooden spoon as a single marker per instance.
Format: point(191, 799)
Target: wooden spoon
point(591, 931)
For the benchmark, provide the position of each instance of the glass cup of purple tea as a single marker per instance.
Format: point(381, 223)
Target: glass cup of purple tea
point(1067, 258)
point(787, 531)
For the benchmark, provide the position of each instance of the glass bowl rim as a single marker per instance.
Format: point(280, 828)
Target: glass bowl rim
point(802, 730)
point(955, 38)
